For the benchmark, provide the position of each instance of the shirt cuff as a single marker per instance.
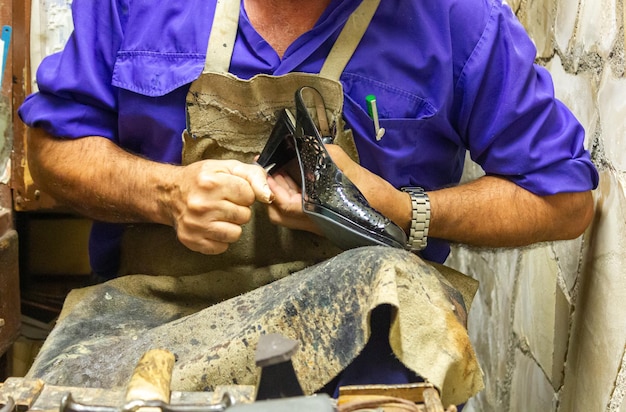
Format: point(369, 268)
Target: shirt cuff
point(67, 118)
point(575, 175)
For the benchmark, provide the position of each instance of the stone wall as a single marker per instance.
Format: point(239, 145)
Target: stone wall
point(549, 321)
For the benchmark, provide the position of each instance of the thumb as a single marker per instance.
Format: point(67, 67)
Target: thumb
point(256, 176)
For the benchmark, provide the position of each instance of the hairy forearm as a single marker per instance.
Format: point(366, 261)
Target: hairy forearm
point(490, 212)
point(99, 180)
point(206, 201)
point(495, 212)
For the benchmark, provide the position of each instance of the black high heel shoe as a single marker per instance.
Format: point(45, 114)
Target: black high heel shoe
point(329, 198)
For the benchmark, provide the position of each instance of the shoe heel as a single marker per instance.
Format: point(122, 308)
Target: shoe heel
point(279, 149)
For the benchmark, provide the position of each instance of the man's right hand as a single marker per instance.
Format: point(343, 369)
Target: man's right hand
point(211, 200)
point(207, 201)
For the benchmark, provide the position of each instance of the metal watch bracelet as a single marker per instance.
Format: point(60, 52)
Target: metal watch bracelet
point(420, 218)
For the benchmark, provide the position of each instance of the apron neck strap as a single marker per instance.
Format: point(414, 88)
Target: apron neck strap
point(349, 39)
point(226, 21)
point(222, 37)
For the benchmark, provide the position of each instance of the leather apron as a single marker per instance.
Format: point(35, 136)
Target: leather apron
point(231, 118)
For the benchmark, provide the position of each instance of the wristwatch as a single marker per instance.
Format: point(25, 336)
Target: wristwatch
point(420, 218)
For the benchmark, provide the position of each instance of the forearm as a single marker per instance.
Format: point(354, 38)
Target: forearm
point(495, 212)
point(489, 211)
point(207, 201)
point(98, 179)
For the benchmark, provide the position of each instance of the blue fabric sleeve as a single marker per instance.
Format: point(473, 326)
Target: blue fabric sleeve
point(75, 97)
point(513, 125)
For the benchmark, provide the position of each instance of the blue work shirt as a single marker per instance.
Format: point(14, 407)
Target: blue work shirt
point(448, 76)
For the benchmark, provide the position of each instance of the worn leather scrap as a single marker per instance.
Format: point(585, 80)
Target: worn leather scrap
point(105, 329)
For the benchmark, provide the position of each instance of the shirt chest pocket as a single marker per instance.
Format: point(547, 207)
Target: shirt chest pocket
point(155, 74)
point(393, 103)
point(419, 147)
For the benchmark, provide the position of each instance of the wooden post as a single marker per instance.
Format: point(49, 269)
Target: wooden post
point(9, 272)
point(26, 195)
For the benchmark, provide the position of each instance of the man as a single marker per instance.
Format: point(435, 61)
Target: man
point(447, 77)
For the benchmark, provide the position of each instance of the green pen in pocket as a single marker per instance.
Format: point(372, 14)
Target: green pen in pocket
point(372, 109)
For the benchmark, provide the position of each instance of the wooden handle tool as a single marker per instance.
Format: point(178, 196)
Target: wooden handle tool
point(152, 377)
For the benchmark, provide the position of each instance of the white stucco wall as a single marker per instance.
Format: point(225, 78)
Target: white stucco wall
point(549, 321)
